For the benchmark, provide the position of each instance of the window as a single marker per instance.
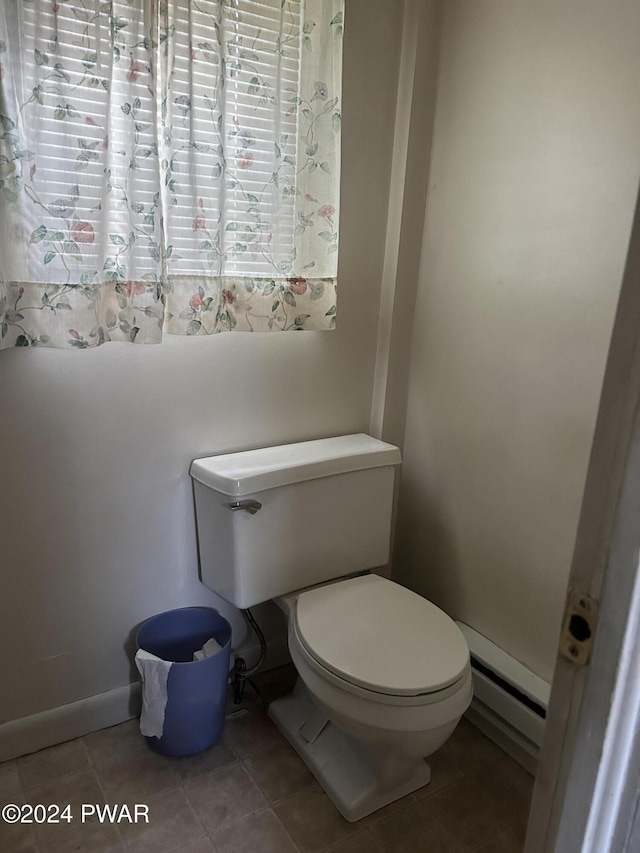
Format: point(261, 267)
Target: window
point(167, 165)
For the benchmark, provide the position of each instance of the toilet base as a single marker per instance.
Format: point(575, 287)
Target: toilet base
point(336, 760)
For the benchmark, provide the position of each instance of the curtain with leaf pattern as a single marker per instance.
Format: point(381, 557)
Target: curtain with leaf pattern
point(167, 165)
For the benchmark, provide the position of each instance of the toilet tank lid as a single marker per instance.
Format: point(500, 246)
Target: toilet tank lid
point(251, 471)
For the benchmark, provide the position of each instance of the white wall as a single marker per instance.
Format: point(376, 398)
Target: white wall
point(533, 182)
point(95, 505)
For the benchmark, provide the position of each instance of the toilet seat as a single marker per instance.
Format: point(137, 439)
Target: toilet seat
point(368, 632)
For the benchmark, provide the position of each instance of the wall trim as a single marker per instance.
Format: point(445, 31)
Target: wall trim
point(399, 162)
point(29, 734)
point(406, 213)
point(503, 735)
point(57, 725)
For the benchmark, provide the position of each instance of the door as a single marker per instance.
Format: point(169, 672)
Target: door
point(586, 798)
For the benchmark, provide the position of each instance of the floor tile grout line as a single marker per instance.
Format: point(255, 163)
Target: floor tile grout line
point(493, 837)
point(228, 744)
point(495, 760)
point(280, 800)
point(287, 833)
point(30, 791)
point(459, 843)
point(180, 847)
point(20, 785)
point(59, 777)
point(179, 784)
point(177, 787)
point(365, 830)
point(121, 838)
point(217, 771)
point(256, 783)
point(227, 823)
point(230, 821)
point(258, 752)
point(193, 810)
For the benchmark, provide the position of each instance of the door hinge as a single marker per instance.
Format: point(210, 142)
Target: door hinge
point(578, 627)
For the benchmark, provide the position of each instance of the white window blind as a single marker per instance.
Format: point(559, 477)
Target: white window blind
point(167, 165)
point(229, 131)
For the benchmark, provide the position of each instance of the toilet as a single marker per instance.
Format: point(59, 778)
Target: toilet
point(384, 674)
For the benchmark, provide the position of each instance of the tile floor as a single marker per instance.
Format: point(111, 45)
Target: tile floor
point(251, 793)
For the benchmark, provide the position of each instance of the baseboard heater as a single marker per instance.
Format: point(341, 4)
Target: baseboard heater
point(506, 694)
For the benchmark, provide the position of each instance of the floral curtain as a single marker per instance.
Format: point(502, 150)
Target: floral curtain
point(167, 165)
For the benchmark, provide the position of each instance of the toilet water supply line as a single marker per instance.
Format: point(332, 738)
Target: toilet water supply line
point(240, 671)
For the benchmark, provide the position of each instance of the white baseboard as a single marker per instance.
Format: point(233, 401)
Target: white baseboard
point(29, 734)
point(504, 736)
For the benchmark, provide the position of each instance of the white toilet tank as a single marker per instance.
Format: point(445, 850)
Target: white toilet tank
point(278, 519)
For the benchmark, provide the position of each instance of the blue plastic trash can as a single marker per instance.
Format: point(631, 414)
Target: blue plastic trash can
point(196, 690)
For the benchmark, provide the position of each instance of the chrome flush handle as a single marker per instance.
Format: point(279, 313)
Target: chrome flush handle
point(248, 505)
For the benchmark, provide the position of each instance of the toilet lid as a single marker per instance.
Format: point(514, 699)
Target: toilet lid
point(381, 636)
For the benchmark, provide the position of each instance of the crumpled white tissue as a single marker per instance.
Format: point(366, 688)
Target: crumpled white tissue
point(210, 648)
point(154, 673)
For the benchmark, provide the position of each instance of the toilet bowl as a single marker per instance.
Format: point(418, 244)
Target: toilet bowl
point(384, 674)
point(368, 709)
